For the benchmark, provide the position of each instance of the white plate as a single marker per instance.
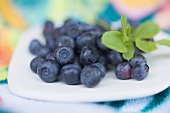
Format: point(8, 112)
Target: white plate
point(23, 82)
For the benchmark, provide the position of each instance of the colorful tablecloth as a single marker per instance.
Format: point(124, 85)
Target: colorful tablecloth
point(17, 15)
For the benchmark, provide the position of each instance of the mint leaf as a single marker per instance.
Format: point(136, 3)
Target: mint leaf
point(124, 23)
point(112, 40)
point(124, 38)
point(145, 46)
point(164, 42)
point(146, 30)
point(128, 30)
point(130, 51)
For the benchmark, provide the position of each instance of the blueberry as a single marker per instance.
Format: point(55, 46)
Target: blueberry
point(69, 21)
point(50, 56)
point(59, 77)
point(90, 76)
point(97, 30)
point(51, 42)
point(34, 63)
point(34, 46)
point(48, 70)
point(137, 58)
point(66, 41)
point(77, 61)
point(140, 71)
point(85, 39)
point(58, 32)
point(71, 74)
point(85, 27)
point(44, 50)
point(134, 24)
point(89, 55)
point(72, 30)
point(114, 58)
point(64, 55)
point(100, 28)
point(100, 45)
point(123, 71)
point(101, 68)
point(48, 28)
point(103, 60)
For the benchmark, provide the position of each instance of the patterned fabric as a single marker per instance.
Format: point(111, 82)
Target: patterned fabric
point(18, 15)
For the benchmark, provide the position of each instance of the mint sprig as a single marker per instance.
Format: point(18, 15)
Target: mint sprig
point(113, 40)
point(123, 41)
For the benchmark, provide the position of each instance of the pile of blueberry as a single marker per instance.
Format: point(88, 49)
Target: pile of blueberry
point(74, 54)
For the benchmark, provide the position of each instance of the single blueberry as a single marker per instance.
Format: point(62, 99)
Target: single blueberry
point(123, 71)
point(90, 76)
point(101, 68)
point(97, 31)
point(72, 30)
point(89, 55)
point(50, 56)
point(64, 55)
point(114, 58)
point(51, 42)
point(66, 41)
point(58, 32)
point(85, 39)
point(34, 46)
point(85, 27)
point(48, 70)
point(48, 28)
point(100, 45)
point(103, 60)
point(70, 74)
point(140, 71)
point(69, 21)
point(137, 58)
point(44, 50)
point(34, 63)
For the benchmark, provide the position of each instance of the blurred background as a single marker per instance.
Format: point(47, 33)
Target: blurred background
point(18, 15)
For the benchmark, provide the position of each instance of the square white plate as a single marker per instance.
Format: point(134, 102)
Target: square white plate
point(23, 82)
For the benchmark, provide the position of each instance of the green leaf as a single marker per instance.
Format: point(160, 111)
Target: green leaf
point(146, 30)
point(128, 30)
point(130, 51)
point(124, 23)
point(145, 46)
point(124, 38)
point(164, 42)
point(112, 40)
